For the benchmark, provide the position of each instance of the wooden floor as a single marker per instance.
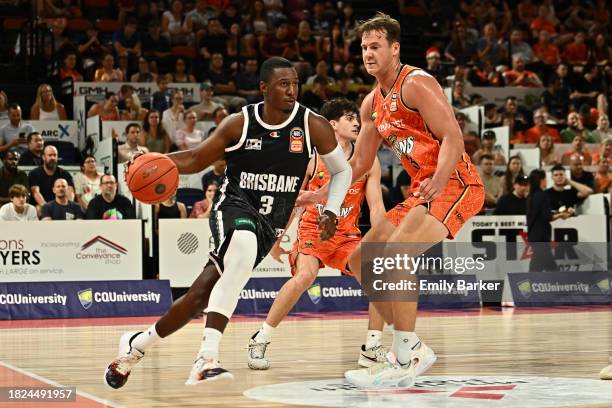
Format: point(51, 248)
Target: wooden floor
point(572, 343)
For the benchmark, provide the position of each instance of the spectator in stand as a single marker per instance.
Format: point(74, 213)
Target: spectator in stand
point(600, 53)
point(33, 156)
point(173, 27)
point(217, 174)
point(574, 127)
point(207, 106)
point(127, 42)
point(434, 66)
point(321, 71)
point(42, 179)
point(46, 107)
point(133, 110)
point(18, 209)
point(564, 199)
point(307, 49)
point(125, 92)
point(87, 181)
point(106, 109)
point(544, 22)
point(488, 147)
point(461, 49)
point(578, 148)
point(544, 51)
point(196, 21)
point(156, 49)
point(247, 82)
point(189, 137)
point(319, 22)
point(201, 209)
point(170, 209)
point(11, 175)
point(576, 52)
point(492, 183)
point(218, 115)
point(144, 73)
point(13, 134)
point(4, 105)
point(511, 106)
point(181, 73)
point(532, 135)
point(145, 12)
point(515, 202)
point(61, 208)
point(603, 130)
point(161, 98)
point(107, 73)
point(492, 117)
point(215, 42)
point(108, 205)
point(555, 100)
point(489, 46)
point(485, 74)
point(577, 172)
point(547, 150)
point(587, 88)
point(131, 146)
point(519, 76)
point(68, 68)
point(224, 84)
point(90, 48)
point(256, 18)
point(153, 136)
point(279, 44)
point(317, 95)
point(460, 100)
point(516, 135)
point(527, 11)
point(516, 46)
point(604, 152)
point(172, 118)
point(240, 46)
point(603, 177)
point(513, 170)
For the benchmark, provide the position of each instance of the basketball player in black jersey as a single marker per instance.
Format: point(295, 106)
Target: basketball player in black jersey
point(267, 148)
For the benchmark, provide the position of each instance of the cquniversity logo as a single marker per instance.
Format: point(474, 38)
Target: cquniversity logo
point(525, 288)
point(86, 298)
point(314, 293)
point(604, 286)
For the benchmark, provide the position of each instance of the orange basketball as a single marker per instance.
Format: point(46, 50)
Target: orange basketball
point(152, 178)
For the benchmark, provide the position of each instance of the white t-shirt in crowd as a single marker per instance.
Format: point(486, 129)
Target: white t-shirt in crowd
point(8, 213)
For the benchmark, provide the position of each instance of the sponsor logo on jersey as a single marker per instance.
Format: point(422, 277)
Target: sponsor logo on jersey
point(374, 115)
point(344, 211)
point(275, 134)
point(393, 106)
point(253, 144)
point(384, 126)
point(296, 144)
point(309, 244)
point(269, 182)
point(321, 175)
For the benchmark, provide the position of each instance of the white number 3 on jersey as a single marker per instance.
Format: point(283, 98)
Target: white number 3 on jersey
point(266, 205)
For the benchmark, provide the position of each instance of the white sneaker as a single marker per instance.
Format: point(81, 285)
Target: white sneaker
point(383, 375)
point(256, 355)
point(371, 356)
point(118, 371)
point(207, 369)
point(422, 358)
point(606, 373)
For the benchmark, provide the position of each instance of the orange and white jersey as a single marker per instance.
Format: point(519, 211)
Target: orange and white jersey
point(406, 132)
point(348, 220)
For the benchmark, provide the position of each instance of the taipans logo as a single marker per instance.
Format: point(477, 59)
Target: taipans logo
point(100, 239)
point(314, 293)
point(525, 288)
point(604, 286)
point(86, 298)
point(149, 171)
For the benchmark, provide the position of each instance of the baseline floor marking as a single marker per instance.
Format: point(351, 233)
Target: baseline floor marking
point(84, 395)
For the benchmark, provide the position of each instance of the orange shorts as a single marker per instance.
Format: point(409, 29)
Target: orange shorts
point(453, 207)
point(333, 253)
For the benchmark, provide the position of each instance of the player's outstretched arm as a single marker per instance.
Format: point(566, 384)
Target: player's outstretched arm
point(213, 148)
point(368, 141)
point(373, 194)
point(422, 92)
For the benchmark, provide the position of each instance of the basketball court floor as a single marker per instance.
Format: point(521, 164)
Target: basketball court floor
point(486, 358)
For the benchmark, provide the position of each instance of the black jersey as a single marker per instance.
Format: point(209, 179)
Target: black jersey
point(267, 166)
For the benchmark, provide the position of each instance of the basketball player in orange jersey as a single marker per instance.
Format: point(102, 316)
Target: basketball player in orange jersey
point(409, 111)
point(309, 253)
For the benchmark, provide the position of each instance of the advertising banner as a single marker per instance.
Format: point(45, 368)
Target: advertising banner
point(58, 130)
point(80, 250)
point(95, 91)
point(58, 300)
point(559, 288)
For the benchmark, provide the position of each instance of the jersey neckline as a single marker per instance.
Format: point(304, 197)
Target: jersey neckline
point(279, 126)
point(382, 93)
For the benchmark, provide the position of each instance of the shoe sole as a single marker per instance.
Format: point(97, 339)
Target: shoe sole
point(403, 383)
point(258, 368)
point(225, 377)
point(426, 365)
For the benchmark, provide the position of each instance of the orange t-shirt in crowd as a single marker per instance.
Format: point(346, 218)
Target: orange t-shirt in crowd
point(548, 53)
point(538, 24)
point(532, 135)
point(575, 53)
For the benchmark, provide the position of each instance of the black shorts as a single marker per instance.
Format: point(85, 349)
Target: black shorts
point(226, 220)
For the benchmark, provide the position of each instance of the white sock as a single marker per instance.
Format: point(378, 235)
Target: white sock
point(403, 343)
point(210, 343)
point(145, 339)
point(373, 339)
point(264, 335)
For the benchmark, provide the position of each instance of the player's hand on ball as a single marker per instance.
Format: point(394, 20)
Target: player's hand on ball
point(327, 225)
point(127, 164)
point(429, 189)
point(277, 251)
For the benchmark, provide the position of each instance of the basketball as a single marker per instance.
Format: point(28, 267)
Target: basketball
point(152, 178)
